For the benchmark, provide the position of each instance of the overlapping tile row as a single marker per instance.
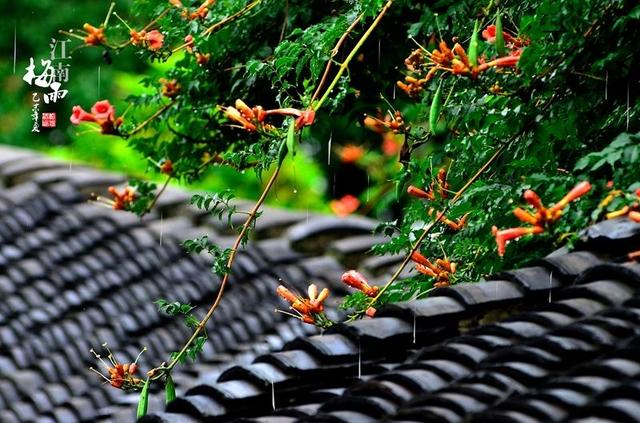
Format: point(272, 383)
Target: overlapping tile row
point(74, 275)
point(557, 341)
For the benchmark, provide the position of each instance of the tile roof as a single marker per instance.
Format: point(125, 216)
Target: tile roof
point(556, 341)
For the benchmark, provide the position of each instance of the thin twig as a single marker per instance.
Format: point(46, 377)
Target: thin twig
point(284, 22)
point(354, 51)
point(334, 52)
point(454, 200)
point(163, 369)
point(157, 196)
point(234, 250)
point(149, 119)
point(220, 24)
point(231, 18)
point(431, 225)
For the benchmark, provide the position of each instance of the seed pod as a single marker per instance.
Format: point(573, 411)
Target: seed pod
point(170, 389)
point(434, 112)
point(282, 153)
point(291, 137)
point(143, 402)
point(500, 48)
point(473, 46)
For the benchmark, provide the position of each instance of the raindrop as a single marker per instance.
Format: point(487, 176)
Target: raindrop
point(273, 396)
point(359, 361)
point(161, 228)
point(329, 148)
point(550, 281)
point(295, 179)
point(368, 190)
point(394, 91)
point(414, 328)
point(606, 85)
point(627, 105)
point(379, 40)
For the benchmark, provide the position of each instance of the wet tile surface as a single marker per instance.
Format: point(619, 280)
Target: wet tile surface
point(558, 341)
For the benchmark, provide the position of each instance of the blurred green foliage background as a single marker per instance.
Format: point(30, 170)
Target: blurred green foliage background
point(27, 29)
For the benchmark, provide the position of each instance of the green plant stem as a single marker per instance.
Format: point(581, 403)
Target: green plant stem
point(234, 251)
point(454, 200)
point(334, 52)
point(431, 225)
point(157, 196)
point(231, 18)
point(344, 65)
point(149, 119)
point(158, 372)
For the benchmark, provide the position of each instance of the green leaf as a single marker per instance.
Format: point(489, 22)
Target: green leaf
point(143, 402)
point(170, 389)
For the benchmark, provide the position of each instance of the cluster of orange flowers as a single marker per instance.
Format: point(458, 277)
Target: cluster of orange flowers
point(344, 206)
point(170, 88)
point(351, 153)
point(153, 40)
point(441, 271)
point(540, 219)
point(253, 119)
point(441, 187)
point(122, 200)
point(388, 129)
point(200, 12)
point(393, 123)
point(94, 36)
point(201, 58)
point(309, 310)
point(631, 211)
point(456, 61)
point(356, 280)
point(120, 375)
point(166, 167)
point(102, 113)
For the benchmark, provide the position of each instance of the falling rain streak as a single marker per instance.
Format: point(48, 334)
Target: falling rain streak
point(627, 106)
point(273, 396)
point(359, 361)
point(15, 49)
point(414, 328)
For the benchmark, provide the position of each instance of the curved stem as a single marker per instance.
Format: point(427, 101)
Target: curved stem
point(431, 225)
point(149, 119)
point(157, 196)
point(333, 54)
point(231, 18)
point(356, 48)
point(234, 251)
